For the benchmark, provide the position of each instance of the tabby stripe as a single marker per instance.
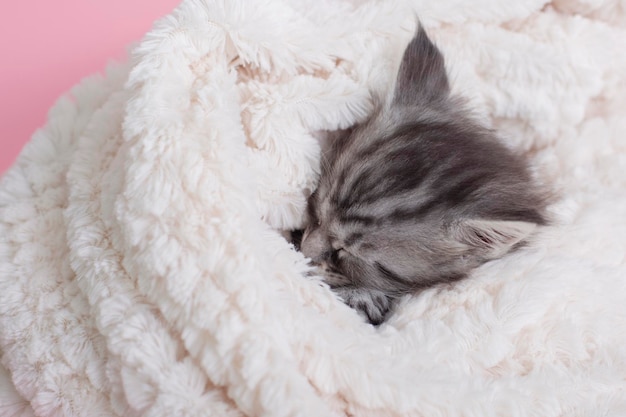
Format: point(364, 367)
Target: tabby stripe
point(355, 218)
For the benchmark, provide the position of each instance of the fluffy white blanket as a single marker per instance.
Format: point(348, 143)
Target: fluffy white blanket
point(142, 267)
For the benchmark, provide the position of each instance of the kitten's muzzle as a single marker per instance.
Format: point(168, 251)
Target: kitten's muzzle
point(313, 245)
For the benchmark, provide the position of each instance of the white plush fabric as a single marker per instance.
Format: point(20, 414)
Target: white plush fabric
point(142, 267)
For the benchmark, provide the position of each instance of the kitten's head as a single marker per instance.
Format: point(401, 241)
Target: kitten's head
point(420, 194)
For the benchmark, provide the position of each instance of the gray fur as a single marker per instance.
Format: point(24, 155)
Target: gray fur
point(418, 195)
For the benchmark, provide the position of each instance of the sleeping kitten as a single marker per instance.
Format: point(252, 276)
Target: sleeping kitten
point(418, 195)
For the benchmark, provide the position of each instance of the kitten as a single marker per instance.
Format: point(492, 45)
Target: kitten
point(418, 195)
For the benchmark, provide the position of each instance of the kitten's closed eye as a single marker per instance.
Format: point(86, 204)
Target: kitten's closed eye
point(335, 255)
point(418, 195)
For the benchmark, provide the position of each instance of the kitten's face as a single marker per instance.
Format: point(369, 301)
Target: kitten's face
point(401, 224)
point(418, 195)
point(384, 255)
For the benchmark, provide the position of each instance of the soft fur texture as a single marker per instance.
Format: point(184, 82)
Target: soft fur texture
point(420, 194)
point(141, 271)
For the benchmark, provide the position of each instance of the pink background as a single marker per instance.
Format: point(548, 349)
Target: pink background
point(47, 46)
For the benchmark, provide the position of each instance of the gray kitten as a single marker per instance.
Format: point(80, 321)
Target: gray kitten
point(418, 195)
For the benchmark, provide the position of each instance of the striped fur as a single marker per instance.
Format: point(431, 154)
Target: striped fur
point(419, 195)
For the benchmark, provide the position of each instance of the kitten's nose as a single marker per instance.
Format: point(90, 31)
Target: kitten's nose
point(312, 245)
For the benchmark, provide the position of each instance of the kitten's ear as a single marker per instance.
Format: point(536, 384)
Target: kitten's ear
point(493, 238)
point(422, 76)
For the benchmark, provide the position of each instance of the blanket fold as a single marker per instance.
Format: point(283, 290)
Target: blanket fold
point(143, 268)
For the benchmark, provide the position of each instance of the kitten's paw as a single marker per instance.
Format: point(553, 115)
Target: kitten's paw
point(372, 304)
